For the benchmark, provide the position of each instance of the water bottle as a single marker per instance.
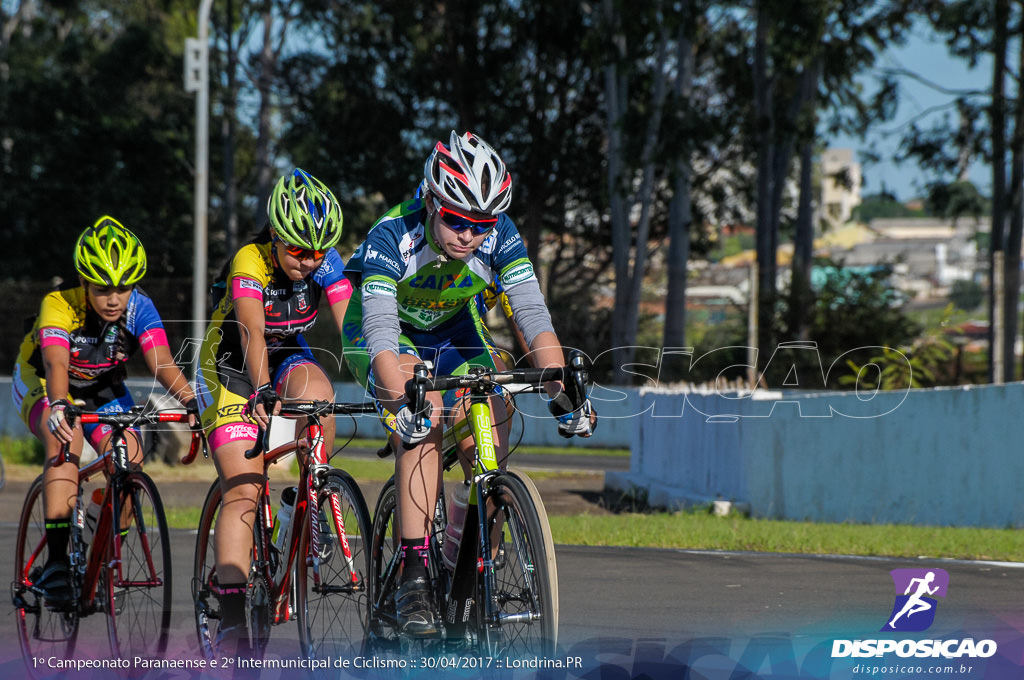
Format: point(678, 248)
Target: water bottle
point(457, 505)
point(92, 514)
point(282, 525)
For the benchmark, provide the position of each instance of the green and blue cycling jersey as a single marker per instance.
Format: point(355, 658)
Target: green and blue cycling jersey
point(414, 299)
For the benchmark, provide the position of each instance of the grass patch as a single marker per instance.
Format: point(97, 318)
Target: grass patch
point(703, 531)
point(182, 518)
point(22, 450)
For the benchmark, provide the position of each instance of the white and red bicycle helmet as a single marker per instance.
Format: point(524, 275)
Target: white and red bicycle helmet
point(468, 174)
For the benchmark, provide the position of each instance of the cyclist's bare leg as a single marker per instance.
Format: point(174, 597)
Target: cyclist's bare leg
point(135, 454)
point(308, 381)
point(60, 484)
point(60, 489)
point(418, 478)
point(240, 482)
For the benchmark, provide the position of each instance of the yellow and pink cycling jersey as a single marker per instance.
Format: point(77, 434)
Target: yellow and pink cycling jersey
point(98, 350)
point(289, 307)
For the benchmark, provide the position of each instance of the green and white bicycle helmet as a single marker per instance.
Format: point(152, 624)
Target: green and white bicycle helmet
point(304, 212)
point(108, 254)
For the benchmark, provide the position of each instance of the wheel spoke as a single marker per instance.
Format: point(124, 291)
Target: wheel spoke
point(41, 632)
point(331, 595)
point(138, 586)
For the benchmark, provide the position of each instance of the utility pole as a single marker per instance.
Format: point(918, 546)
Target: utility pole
point(197, 79)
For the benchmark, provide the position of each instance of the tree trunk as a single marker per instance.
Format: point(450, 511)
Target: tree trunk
point(997, 115)
point(801, 294)
point(1011, 277)
point(764, 120)
point(622, 241)
point(264, 162)
point(647, 189)
point(680, 210)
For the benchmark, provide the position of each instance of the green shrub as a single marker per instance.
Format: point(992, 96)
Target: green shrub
point(24, 450)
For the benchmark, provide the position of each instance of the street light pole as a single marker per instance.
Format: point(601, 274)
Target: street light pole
point(197, 79)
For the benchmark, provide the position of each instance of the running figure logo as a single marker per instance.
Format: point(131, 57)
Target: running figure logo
point(914, 609)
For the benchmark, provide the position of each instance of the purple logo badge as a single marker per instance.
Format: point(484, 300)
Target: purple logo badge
point(916, 590)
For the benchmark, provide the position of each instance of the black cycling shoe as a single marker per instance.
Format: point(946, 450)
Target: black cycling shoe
point(415, 607)
point(233, 641)
point(54, 583)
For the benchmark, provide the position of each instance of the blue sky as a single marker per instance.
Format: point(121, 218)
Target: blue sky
point(929, 58)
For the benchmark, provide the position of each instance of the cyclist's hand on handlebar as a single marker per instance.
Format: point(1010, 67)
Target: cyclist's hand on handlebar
point(404, 425)
point(581, 423)
point(195, 423)
point(61, 422)
point(263, 404)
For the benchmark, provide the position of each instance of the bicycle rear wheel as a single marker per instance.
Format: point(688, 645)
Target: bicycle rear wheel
point(138, 589)
point(523, 594)
point(331, 577)
point(41, 633)
point(204, 597)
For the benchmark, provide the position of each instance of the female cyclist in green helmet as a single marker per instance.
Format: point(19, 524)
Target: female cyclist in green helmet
point(77, 350)
point(254, 354)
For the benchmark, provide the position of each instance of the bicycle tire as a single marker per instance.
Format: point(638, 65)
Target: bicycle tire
point(204, 598)
point(522, 593)
point(381, 617)
point(41, 633)
point(330, 590)
point(383, 638)
point(3, 473)
point(549, 542)
point(138, 591)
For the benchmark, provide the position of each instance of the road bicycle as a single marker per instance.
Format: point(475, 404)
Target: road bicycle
point(318, 575)
point(124, 573)
point(497, 591)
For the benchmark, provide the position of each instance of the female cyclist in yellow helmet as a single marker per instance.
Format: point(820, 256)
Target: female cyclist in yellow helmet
point(77, 349)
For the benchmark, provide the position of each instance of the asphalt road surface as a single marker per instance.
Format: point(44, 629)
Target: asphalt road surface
point(632, 613)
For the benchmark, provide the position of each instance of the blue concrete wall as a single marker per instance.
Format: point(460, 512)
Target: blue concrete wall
point(947, 457)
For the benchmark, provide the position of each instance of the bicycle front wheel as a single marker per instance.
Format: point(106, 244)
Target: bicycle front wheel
point(332, 588)
point(138, 587)
point(204, 592)
point(42, 633)
point(523, 596)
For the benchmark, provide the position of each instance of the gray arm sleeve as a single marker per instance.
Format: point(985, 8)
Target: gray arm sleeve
point(380, 324)
point(529, 311)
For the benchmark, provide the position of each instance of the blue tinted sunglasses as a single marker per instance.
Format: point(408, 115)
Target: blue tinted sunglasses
point(459, 222)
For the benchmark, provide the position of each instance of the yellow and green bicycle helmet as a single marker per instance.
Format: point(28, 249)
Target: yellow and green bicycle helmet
point(108, 254)
point(304, 212)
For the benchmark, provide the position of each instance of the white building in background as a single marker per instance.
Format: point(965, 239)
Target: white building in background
point(841, 181)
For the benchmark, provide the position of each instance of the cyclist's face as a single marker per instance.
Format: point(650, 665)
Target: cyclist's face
point(297, 263)
point(456, 242)
point(108, 301)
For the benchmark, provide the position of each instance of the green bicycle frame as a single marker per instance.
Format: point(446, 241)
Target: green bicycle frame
point(459, 607)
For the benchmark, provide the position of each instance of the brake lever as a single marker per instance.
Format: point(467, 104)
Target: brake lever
point(260, 447)
point(576, 385)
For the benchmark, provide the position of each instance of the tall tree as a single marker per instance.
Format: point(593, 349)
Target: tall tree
point(681, 208)
point(93, 121)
